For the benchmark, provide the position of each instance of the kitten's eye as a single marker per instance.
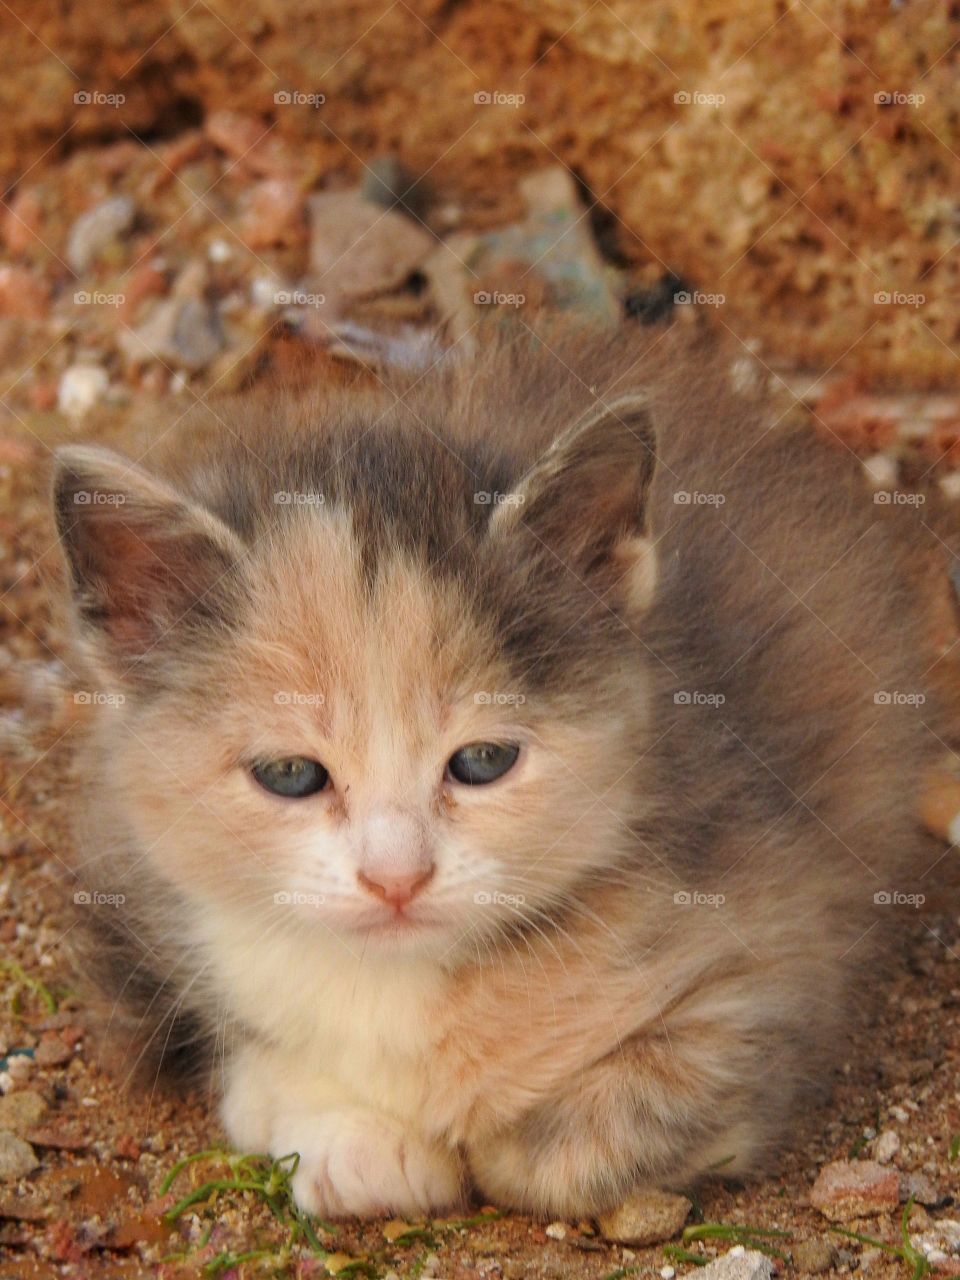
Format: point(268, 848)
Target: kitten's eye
point(291, 776)
point(482, 762)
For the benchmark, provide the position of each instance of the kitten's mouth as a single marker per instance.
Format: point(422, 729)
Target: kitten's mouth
point(398, 923)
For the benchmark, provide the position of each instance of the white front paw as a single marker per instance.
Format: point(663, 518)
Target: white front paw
point(357, 1163)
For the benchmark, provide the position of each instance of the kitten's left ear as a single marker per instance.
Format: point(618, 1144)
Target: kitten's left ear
point(585, 499)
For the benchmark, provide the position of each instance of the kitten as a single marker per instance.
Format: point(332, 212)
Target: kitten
point(510, 768)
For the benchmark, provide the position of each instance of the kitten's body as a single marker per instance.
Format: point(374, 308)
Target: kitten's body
point(564, 1025)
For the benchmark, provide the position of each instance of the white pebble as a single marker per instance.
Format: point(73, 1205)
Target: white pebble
point(81, 386)
point(667, 1272)
point(886, 1146)
point(219, 251)
point(900, 1114)
point(263, 291)
point(737, 1251)
point(950, 484)
point(882, 471)
point(556, 1231)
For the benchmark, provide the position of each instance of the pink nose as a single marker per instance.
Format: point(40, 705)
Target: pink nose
point(397, 890)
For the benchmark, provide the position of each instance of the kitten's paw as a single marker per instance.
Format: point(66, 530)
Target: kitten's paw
point(356, 1163)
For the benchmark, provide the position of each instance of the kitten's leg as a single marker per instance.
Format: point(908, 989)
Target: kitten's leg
point(649, 1115)
point(354, 1160)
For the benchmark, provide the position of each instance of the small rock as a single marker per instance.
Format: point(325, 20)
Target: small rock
point(51, 1051)
point(814, 1256)
point(358, 249)
point(17, 1158)
point(20, 1067)
point(854, 1189)
point(99, 227)
point(747, 1264)
point(868, 1257)
point(886, 1146)
point(556, 1231)
point(22, 294)
point(272, 213)
point(919, 1188)
point(249, 142)
point(22, 224)
point(646, 1218)
point(21, 1111)
point(180, 331)
point(667, 1273)
point(81, 387)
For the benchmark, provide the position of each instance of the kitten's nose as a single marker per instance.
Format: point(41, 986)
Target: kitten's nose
point(397, 890)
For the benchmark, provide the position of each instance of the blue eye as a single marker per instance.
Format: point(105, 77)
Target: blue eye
point(482, 762)
point(292, 776)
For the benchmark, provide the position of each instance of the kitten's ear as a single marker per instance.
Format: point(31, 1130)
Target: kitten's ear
point(142, 558)
point(586, 497)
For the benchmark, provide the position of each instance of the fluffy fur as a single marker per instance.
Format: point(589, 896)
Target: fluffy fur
point(639, 946)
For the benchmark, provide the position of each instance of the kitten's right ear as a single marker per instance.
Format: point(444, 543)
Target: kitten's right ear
point(142, 558)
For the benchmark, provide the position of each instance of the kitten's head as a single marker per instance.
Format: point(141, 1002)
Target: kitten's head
point(362, 693)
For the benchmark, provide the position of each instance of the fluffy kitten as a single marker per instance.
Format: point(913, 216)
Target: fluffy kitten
point(497, 808)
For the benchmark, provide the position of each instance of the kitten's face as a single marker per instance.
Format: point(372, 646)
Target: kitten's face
point(379, 687)
point(401, 717)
